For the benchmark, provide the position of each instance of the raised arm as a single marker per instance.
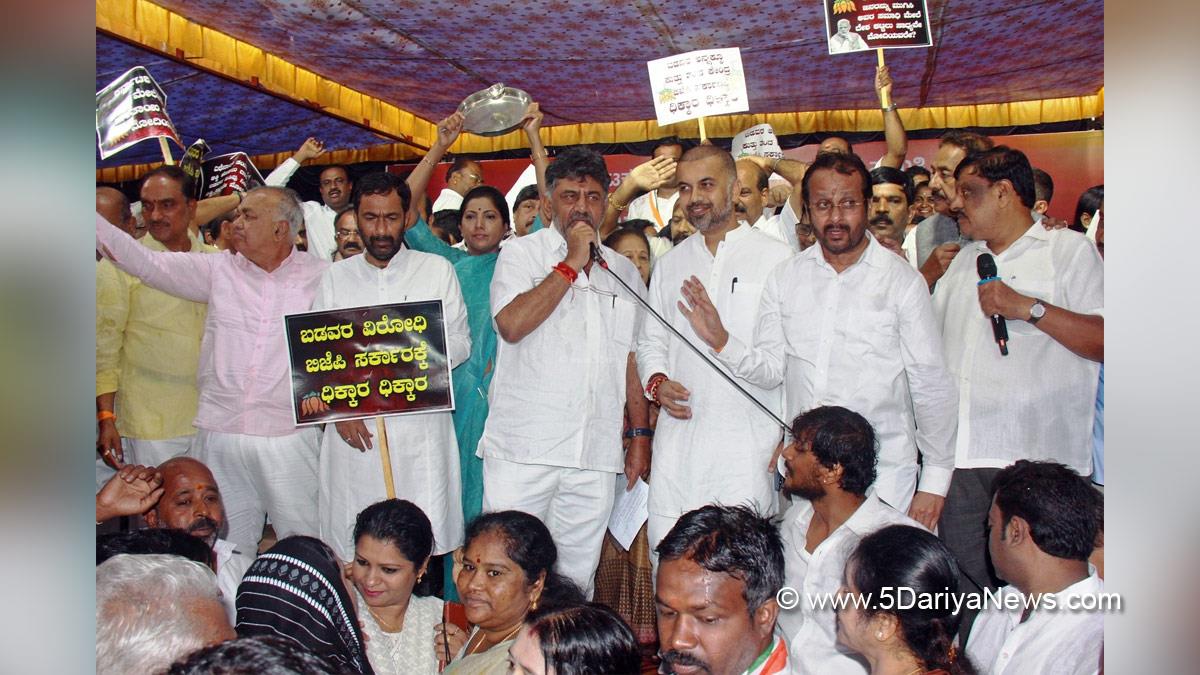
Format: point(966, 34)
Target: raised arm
point(418, 180)
point(184, 275)
point(532, 124)
point(893, 127)
point(644, 178)
point(207, 209)
point(519, 314)
point(309, 149)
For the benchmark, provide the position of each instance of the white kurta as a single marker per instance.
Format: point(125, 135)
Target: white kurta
point(721, 454)
point(424, 451)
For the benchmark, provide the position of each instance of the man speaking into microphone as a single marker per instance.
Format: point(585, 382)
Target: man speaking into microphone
point(1037, 402)
point(565, 368)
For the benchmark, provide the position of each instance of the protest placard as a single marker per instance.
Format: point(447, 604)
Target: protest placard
point(129, 110)
point(368, 361)
point(696, 84)
point(226, 174)
point(759, 140)
point(191, 165)
point(852, 27)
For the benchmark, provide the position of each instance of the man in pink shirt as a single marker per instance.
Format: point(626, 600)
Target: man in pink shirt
point(247, 437)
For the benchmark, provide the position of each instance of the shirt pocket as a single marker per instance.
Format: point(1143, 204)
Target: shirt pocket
point(743, 310)
point(621, 318)
point(872, 334)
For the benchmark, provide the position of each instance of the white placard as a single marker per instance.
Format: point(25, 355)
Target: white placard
point(630, 511)
point(758, 140)
point(698, 84)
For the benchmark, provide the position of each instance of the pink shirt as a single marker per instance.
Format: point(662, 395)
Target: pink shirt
point(243, 377)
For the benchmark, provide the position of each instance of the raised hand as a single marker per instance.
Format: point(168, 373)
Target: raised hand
point(702, 314)
point(449, 129)
point(652, 174)
point(309, 149)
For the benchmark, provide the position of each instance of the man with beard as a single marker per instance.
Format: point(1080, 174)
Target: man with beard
point(426, 470)
point(564, 370)
point(191, 501)
point(247, 434)
point(830, 466)
point(721, 569)
point(891, 195)
point(335, 186)
point(349, 240)
point(936, 239)
point(707, 420)
point(849, 323)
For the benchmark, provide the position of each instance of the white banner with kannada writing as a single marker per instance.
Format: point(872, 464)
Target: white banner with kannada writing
point(698, 84)
point(759, 140)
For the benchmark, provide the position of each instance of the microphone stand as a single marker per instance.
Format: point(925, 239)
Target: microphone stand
point(599, 260)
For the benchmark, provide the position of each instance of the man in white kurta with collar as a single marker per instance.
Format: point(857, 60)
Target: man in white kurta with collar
point(423, 447)
point(335, 186)
point(564, 370)
point(849, 323)
point(711, 445)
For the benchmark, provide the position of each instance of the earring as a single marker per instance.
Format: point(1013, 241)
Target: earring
point(533, 605)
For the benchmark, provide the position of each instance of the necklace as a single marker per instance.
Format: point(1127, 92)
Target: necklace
point(384, 624)
point(479, 633)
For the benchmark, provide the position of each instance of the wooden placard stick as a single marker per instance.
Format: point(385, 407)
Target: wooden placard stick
point(385, 457)
point(885, 100)
point(703, 131)
point(166, 150)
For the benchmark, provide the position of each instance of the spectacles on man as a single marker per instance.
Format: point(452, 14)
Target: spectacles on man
point(345, 234)
point(824, 206)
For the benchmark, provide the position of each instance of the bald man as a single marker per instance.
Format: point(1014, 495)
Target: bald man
point(114, 206)
point(191, 501)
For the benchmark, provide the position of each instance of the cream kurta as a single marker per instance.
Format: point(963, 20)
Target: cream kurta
point(424, 451)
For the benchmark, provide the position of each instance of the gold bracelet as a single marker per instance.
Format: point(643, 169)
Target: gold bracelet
point(613, 203)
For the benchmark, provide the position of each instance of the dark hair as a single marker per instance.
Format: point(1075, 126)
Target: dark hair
point(254, 655)
point(213, 227)
point(847, 165)
point(1089, 202)
point(761, 179)
point(902, 556)
point(578, 162)
point(668, 141)
point(886, 174)
point(734, 540)
point(1059, 505)
point(1003, 163)
point(341, 214)
point(345, 170)
point(635, 228)
point(380, 183)
point(449, 222)
point(527, 542)
point(840, 436)
point(172, 172)
point(849, 145)
point(915, 170)
point(400, 523)
point(724, 159)
point(587, 639)
point(153, 540)
point(968, 141)
point(459, 164)
point(488, 192)
point(528, 192)
point(1043, 185)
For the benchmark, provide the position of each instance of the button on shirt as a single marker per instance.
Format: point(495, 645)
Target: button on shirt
point(558, 395)
point(318, 218)
point(244, 377)
point(864, 339)
point(147, 350)
point(812, 633)
point(720, 454)
point(1037, 402)
point(1050, 641)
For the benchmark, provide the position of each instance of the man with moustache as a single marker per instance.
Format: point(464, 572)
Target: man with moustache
point(462, 176)
point(936, 239)
point(565, 368)
point(715, 594)
point(335, 186)
point(345, 230)
point(750, 201)
point(707, 421)
point(891, 195)
point(849, 323)
point(425, 468)
point(830, 466)
point(191, 501)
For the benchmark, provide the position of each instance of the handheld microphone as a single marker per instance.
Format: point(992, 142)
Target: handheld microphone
point(986, 266)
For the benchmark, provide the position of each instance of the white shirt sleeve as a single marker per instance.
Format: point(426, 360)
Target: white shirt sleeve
point(282, 173)
point(761, 364)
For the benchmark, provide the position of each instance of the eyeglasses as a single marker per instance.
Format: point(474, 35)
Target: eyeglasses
point(345, 234)
point(845, 206)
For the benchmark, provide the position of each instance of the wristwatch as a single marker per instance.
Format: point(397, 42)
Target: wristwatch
point(1036, 312)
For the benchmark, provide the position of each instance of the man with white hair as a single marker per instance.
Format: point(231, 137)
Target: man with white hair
point(844, 40)
point(247, 435)
point(152, 610)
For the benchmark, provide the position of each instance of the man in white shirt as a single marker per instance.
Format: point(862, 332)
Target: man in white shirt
point(656, 205)
point(191, 501)
point(1042, 528)
point(1036, 402)
point(462, 176)
point(849, 323)
point(828, 469)
point(712, 446)
point(750, 201)
point(335, 186)
point(565, 368)
point(425, 468)
point(936, 239)
point(649, 192)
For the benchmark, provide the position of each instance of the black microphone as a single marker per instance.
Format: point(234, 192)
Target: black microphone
point(986, 266)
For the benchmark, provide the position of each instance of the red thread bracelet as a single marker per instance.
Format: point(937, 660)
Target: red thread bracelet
point(567, 272)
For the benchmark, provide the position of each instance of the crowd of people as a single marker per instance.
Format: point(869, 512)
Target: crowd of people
point(853, 380)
